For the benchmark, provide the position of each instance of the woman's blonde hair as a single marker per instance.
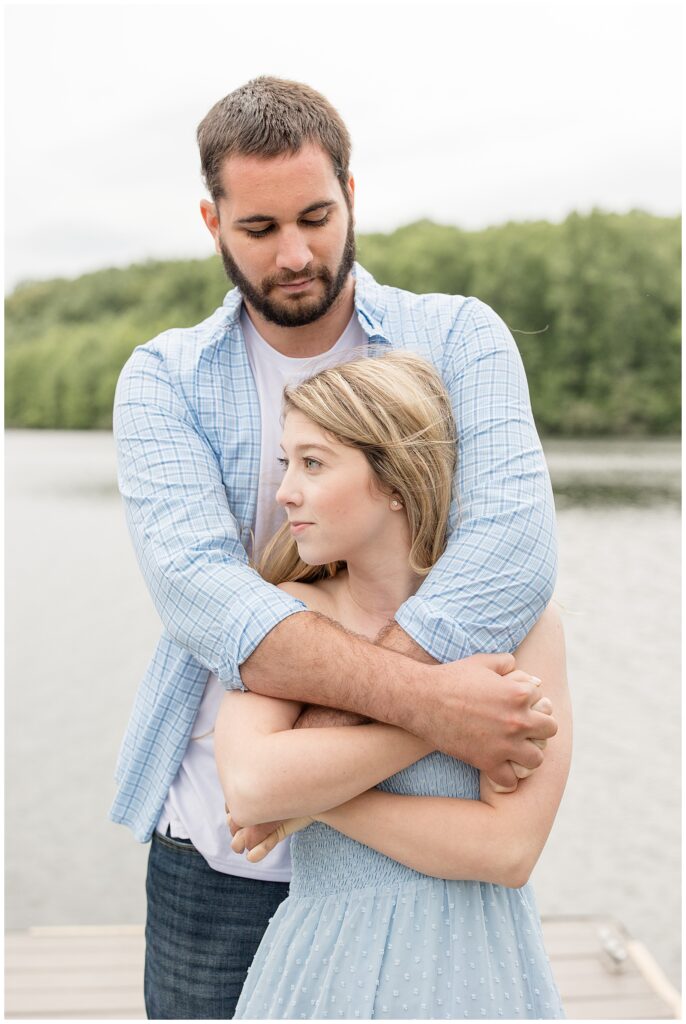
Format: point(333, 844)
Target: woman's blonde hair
point(394, 408)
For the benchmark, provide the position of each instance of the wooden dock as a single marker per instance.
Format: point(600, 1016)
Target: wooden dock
point(97, 973)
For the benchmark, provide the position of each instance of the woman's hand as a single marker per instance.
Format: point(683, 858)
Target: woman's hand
point(241, 836)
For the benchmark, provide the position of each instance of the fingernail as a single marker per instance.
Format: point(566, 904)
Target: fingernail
point(536, 681)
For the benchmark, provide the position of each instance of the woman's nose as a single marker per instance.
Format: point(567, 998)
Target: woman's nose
point(287, 493)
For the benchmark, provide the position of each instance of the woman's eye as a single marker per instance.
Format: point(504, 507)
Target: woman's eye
point(283, 463)
point(312, 464)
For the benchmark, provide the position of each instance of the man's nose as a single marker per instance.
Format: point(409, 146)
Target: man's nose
point(294, 252)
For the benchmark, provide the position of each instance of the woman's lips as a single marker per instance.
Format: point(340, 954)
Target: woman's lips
point(297, 528)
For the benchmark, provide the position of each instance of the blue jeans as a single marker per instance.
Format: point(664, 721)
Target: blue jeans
point(202, 930)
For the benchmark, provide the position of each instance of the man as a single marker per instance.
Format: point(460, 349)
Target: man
point(196, 421)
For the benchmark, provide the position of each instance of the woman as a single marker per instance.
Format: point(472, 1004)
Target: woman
point(409, 895)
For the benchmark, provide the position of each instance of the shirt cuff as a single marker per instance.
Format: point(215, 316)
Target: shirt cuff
point(442, 639)
point(259, 612)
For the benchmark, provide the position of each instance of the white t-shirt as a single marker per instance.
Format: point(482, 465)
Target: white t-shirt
point(194, 808)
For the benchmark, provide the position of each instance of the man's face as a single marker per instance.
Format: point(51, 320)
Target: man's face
point(285, 234)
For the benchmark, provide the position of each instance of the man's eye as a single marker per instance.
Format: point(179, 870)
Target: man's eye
point(261, 233)
point(317, 223)
point(312, 464)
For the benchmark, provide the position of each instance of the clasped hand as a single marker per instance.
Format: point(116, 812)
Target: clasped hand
point(545, 707)
point(259, 840)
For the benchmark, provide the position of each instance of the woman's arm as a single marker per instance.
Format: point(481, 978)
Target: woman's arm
point(268, 770)
point(497, 838)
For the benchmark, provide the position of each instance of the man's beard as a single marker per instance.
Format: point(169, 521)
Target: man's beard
point(295, 315)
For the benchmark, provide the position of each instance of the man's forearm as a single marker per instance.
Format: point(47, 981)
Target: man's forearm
point(392, 638)
point(312, 659)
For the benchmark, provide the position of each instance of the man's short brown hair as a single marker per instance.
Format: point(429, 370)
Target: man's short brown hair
point(268, 117)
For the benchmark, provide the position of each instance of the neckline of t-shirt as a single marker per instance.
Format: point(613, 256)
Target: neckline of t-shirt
point(253, 336)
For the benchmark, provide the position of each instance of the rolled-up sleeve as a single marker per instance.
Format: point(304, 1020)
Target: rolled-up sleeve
point(498, 571)
point(186, 539)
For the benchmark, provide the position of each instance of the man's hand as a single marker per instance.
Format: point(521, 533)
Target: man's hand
point(479, 675)
point(481, 710)
point(545, 707)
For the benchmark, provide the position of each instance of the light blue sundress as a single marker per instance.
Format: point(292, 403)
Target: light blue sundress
point(361, 936)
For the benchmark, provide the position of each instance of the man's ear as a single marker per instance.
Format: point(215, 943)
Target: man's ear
point(351, 193)
point(209, 214)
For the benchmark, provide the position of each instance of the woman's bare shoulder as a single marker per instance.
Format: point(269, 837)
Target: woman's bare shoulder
point(314, 595)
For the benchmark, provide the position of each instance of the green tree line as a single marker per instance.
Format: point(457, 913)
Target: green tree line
point(593, 302)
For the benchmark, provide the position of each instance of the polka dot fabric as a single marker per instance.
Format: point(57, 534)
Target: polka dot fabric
point(363, 937)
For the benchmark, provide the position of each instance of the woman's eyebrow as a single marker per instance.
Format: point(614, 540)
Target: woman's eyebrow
point(314, 445)
point(310, 447)
point(258, 218)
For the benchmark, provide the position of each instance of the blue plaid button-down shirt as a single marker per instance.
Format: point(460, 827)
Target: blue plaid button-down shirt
point(187, 427)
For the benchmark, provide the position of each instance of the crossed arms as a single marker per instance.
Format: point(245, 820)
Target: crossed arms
point(270, 771)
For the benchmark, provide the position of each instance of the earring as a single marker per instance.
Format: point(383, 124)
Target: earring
point(396, 503)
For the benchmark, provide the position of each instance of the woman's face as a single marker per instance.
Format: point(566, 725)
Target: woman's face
point(334, 505)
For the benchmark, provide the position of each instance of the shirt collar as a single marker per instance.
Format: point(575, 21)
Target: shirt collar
point(368, 305)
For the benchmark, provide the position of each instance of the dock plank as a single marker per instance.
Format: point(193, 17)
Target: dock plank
point(84, 979)
point(586, 978)
point(646, 1007)
point(66, 954)
point(94, 973)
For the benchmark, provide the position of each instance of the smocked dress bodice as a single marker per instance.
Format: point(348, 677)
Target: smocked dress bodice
point(326, 861)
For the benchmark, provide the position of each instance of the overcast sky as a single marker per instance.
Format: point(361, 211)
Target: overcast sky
point(470, 113)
